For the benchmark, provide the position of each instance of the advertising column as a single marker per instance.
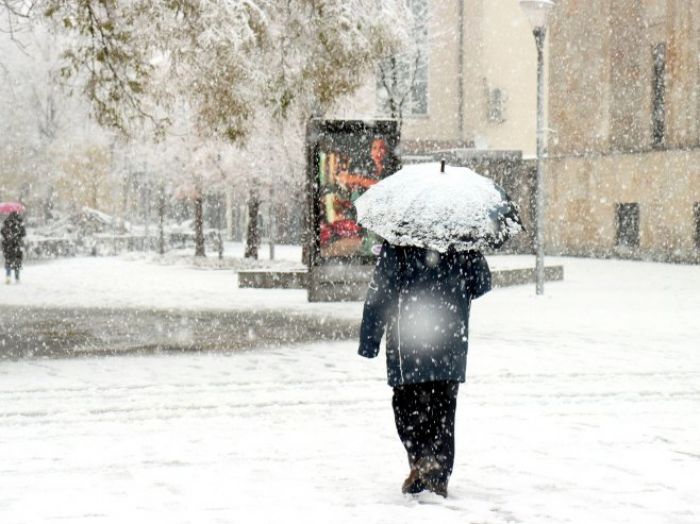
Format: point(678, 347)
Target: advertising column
point(345, 158)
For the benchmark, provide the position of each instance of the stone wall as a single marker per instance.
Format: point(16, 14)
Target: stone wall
point(582, 193)
point(601, 74)
point(602, 148)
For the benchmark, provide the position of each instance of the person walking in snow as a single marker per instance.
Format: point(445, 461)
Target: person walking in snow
point(13, 233)
point(421, 298)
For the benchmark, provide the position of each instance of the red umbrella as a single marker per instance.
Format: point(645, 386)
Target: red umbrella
point(8, 207)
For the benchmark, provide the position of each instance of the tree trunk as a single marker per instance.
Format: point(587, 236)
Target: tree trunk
point(272, 234)
point(219, 223)
point(252, 241)
point(199, 226)
point(307, 226)
point(229, 214)
point(161, 221)
point(220, 244)
point(49, 205)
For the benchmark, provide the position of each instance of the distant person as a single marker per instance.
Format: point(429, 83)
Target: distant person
point(422, 299)
point(13, 234)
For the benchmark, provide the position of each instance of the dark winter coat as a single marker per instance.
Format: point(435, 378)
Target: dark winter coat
point(422, 298)
point(13, 234)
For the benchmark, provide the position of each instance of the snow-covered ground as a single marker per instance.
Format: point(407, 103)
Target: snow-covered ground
point(177, 282)
point(139, 281)
point(582, 406)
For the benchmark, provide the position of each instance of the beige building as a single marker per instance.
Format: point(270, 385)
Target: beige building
point(623, 169)
point(622, 92)
point(471, 95)
point(475, 86)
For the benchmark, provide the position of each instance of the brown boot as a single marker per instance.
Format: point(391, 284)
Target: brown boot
point(439, 487)
point(413, 483)
point(430, 475)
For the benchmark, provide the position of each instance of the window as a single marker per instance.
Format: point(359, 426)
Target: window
point(696, 212)
point(627, 225)
point(658, 101)
point(496, 106)
point(402, 80)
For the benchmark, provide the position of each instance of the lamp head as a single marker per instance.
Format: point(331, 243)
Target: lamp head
point(537, 12)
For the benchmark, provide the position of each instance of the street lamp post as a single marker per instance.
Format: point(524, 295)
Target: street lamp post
point(537, 12)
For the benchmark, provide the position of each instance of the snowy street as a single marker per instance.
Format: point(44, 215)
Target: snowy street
point(214, 215)
point(580, 406)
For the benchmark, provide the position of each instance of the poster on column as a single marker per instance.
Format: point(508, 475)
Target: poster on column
point(347, 157)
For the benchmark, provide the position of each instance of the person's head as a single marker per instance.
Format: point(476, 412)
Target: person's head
point(378, 150)
point(13, 218)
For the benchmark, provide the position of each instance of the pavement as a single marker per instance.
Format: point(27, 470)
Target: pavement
point(63, 332)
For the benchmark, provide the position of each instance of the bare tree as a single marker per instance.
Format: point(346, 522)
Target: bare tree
point(398, 79)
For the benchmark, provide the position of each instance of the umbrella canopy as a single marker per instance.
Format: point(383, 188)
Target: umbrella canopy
point(421, 206)
point(9, 207)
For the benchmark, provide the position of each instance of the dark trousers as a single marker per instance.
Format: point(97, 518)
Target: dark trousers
point(425, 421)
point(8, 271)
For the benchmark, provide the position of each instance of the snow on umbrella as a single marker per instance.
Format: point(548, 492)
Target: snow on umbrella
point(422, 206)
point(11, 207)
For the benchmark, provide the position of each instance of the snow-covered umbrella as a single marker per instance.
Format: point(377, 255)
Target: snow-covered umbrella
point(436, 206)
point(11, 207)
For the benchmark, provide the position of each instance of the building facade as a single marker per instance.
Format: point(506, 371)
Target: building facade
point(623, 166)
point(470, 98)
point(476, 79)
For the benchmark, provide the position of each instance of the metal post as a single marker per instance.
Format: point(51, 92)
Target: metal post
point(540, 34)
point(460, 75)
